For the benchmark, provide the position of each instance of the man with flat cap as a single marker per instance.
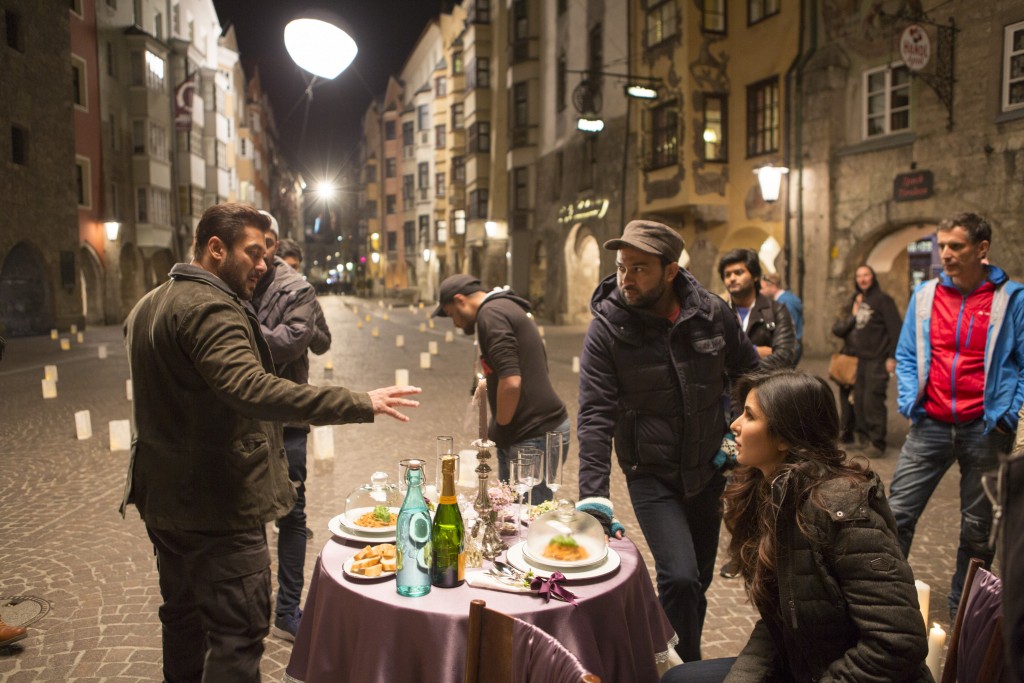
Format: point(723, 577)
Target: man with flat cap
point(524, 405)
point(657, 361)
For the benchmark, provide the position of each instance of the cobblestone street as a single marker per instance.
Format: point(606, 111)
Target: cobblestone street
point(63, 540)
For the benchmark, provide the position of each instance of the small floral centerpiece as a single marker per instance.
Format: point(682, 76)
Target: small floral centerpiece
point(503, 500)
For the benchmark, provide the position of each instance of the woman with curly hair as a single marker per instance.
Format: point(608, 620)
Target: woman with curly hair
point(816, 545)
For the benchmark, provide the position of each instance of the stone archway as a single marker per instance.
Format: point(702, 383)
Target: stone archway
point(91, 276)
point(133, 283)
point(26, 298)
point(896, 269)
point(582, 273)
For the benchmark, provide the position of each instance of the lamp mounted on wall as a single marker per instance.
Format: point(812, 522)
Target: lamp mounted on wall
point(770, 180)
point(112, 228)
point(586, 97)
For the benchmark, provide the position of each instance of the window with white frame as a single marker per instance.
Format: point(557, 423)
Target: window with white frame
point(79, 85)
point(83, 182)
point(148, 70)
point(761, 9)
point(713, 16)
point(886, 100)
point(157, 141)
point(660, 23)
point(763, 117)
point(1013, 67)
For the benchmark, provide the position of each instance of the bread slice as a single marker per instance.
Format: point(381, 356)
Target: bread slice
point(365, 553)
point(374, 570)
point(389, 564)
point(384, 550)
point(359, 565)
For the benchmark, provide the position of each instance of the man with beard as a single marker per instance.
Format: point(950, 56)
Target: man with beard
point(653, 377)
point(766, 322)
point(208, 469)
point(524, 405)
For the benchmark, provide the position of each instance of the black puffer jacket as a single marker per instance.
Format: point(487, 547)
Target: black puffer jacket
point(848, 607)
point(656, 386)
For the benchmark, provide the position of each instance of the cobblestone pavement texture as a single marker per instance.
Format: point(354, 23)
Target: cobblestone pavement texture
point(63, 540)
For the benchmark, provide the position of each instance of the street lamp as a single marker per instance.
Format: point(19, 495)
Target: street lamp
point(111, 227)
point(319, 46)
point(770, 179)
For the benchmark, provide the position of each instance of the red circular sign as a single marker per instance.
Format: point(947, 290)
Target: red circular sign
point(915, 47)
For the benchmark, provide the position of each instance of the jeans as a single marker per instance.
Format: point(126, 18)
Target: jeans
point(216, 609)
point(291, 538)
point(930, 449)
point(705, 671)
point(683, 536)
point(540, 492)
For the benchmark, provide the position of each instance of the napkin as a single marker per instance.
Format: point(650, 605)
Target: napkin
point(481, 578)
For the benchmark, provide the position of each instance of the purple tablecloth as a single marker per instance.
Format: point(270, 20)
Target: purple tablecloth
point(364, 631)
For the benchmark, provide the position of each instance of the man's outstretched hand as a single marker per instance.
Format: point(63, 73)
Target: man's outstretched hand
point(385, 399)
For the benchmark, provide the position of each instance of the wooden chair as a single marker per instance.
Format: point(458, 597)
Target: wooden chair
point(489, 649)
point(992, 662)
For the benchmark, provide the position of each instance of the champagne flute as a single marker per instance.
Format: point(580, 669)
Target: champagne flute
point(445, 447)
point(524, 476)
point(553, 469)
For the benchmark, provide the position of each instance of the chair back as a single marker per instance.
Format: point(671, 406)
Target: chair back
point(503, 649)
point(975, 651)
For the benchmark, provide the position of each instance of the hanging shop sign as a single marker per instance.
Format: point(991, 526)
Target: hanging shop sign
point(915, 47)
point(909, 187)
point(582, 210)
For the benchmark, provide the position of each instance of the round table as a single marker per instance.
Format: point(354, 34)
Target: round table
point(363, 631)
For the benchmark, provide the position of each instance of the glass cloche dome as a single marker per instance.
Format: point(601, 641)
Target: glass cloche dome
point(374, 506)
point(566, 537)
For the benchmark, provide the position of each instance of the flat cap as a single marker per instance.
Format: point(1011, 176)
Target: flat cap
point(452, 285)
point(654, 238)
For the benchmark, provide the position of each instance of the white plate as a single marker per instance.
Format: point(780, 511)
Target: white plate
point(348, 519)
point(347, 568)
point(514, 556)
point(564, 564)
point(339, 529)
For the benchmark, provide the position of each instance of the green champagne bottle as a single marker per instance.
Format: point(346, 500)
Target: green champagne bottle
point(447, 540)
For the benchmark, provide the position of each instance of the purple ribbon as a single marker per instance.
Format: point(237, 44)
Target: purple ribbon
point(553, 588)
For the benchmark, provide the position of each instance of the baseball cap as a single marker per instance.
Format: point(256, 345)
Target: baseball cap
point(452, 285)
point(654, 238)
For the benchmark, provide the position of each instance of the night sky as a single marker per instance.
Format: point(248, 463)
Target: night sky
point(384, 30)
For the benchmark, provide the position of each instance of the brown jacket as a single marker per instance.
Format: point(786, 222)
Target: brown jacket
point(207, 448)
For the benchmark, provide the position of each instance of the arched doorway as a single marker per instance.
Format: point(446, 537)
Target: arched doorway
point(161, 263)
point(903, 259)
point(746, 238)
point(26, 301)
point(91, 276)
point(582, 273)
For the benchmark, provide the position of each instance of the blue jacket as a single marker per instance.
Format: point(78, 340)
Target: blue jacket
point(1004, 351)
point(796, 311)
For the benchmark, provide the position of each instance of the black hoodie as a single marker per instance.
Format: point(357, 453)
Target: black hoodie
point(874, 331)
point(510, 344)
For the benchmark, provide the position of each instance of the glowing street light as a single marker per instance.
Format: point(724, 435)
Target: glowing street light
point(111, 227)
point(770, 179)
point(325, 190)
point(320, 47)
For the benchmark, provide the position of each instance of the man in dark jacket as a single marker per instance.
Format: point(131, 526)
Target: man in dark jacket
point(871, 331)
point(207, 469)
point(656, 362)
point(766, 321)
point(291, 321)
point(524, 405)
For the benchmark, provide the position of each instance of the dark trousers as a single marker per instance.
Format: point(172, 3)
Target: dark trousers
point(1012, 560)
point(683, 536)
point(869, 395)
point(291, 537)
point(847, 420)
point(216, 610)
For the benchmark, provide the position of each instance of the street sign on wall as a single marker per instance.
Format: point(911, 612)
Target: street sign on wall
point(909, 187)
point(915, 47)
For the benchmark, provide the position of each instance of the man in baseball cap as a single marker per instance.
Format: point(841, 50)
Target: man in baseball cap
point(652, 374)
point(455, 284)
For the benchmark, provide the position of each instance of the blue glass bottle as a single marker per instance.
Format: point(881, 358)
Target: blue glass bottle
point(413, 537)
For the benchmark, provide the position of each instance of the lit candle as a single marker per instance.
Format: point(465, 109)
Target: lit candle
point(74, 329)
point(924, 592)
point(401, 377)
point(50, 372)
point(65, 344)
point(54, 334)
point(385, 316)
point(120, 435)
point(399, 340)
point(128, 389)
point(102, 351)
point(375, 331)
point(431, 324)
point(359, 324)
point(576, 364)
point(328, 365)
point(432, 347)
point(449, 336)
point(421, 305)
point(540, 330)
point(49, 388)
point(368, 318)
point(423, 327)
point(425, 360)
point(83, 425)
point(936, 643)
point(80, 336)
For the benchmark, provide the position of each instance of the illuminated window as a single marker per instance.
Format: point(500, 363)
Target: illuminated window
point(713, 16)
point(761, 9)
point(715, 148)
point(663, 136)
point(660, 23)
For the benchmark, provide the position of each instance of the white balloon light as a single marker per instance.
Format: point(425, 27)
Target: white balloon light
point(319, 47)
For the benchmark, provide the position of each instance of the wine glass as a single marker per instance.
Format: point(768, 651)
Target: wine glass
point(524, 475)
point(553, 469)
point(445, 447)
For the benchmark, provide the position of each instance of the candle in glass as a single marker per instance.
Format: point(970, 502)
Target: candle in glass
point(936, 642)
point(923, 596)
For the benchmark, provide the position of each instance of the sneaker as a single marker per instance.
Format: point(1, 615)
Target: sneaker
point(286, 627)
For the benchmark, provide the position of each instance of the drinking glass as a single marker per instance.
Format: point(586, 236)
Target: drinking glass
point(445, 446)
point(553, 469)
point(524, 469)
